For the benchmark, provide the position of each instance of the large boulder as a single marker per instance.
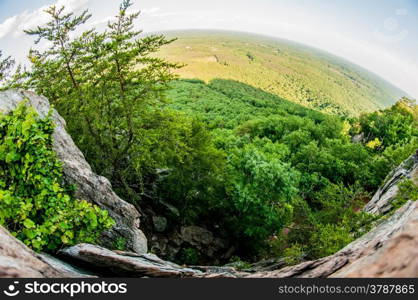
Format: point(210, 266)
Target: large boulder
point(18, 261)
point(381, 201)
point(386, 251)
point(120, 263)
point(398, 257)
point(89, 186)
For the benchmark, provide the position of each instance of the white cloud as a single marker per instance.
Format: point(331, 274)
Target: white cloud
point(150, 11)
point(28, 19)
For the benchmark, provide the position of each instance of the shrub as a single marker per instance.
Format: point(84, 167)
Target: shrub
point(328, 239)
point(261, 189)
point(34, 204)
point(294, 254)
point(120, 243)
point(189, 256)
point(238, 264)
point(408, 190)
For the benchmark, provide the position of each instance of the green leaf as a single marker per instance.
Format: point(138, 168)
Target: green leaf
point(28, 223)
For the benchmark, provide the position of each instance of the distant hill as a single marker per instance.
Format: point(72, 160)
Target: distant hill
point(296, 72)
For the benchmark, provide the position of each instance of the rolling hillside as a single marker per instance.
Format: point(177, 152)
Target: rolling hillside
point(301, 74)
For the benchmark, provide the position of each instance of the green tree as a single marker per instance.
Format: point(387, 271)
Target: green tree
point(108, 87)
point(397, 124)
point(6, 65)
point(262, 188)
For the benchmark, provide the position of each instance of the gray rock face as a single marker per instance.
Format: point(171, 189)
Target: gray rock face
point(127, 264)
point(381, 201)
point(18, 261)
point(196, 236)
point(77, 171)
point(64, 267)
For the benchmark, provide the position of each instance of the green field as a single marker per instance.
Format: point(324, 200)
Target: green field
point(295, 72)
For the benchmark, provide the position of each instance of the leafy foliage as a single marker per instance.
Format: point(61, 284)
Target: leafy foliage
point(408, 191)
point(261, 189)
point(329, 238)
point(271, 176)
point(395, 125)
point(189, 256)
point(301, 160)
point(34, 204)
point(293, 254)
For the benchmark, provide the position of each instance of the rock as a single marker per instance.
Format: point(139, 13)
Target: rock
point(160, 223)
point(388, 250)
point(196, 236)
point(65, 267)
point(126, 263)
point(381, 201)
point(203, 240)
point(267, 265)
point(78, 172)
point(381, 246)
point(18, 261)
point(219, 272)
point(166, 246)
point(397, 258)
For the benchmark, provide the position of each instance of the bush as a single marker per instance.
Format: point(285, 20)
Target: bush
point(293, 255)
point(328, 239)
point(34, 204)
point(261, 189)
point(408, 191)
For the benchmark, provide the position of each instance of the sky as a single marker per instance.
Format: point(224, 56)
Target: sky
point(379, 35)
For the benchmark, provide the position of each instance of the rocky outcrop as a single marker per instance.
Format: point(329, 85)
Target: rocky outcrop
point(381, 201)
point(18, 261)
point(126, 264)
point(89, 186)
point(388, 250)
point(65, 267)
point(384, 245)
point(397, 258)
point(85, 260)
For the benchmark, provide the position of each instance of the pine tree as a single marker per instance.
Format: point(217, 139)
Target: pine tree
point(6, 64)
point(107, 85)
